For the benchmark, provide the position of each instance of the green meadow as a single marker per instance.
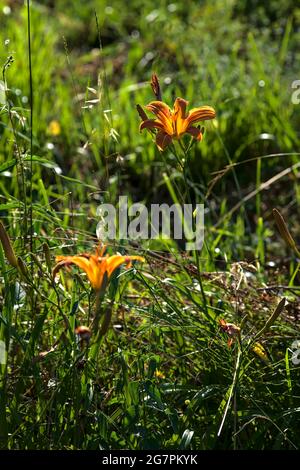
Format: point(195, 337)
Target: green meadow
point(149, 345)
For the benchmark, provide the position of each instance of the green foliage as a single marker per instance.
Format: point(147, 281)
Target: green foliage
point(164, 377)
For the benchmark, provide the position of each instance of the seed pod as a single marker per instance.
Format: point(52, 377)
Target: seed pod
point(284, 231)
point(47, 254)
point(156, 87)
point(7, 247)
point(141, 112)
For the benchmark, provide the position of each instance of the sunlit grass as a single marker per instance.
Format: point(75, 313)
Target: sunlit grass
point(164, 374)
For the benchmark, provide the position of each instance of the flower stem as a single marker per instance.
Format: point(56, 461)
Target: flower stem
point(106, 320)
point(98, 312)
point(196, 253)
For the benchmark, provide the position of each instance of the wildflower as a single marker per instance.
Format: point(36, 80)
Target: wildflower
point(159, 374)
point(98, 268)
point(173, 124)
point(84, 335)
point(83, 332)
point(260, 351)
point(231, 329)
point(54, 128)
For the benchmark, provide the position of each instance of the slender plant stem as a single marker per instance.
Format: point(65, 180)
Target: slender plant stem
point(106, 320)
point(20, 167)
point(232, 387)
point(98, 312)
point(291, 282)
point(31, 125)
point(109, 121)
point(196, 253)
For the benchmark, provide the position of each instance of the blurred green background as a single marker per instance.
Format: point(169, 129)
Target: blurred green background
point(240, 57)
point(165, 374)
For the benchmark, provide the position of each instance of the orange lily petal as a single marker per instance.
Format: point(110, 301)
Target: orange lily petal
point(180, 107)
point(100, 250)
point(89, 266)
point(163, 113)
point(151, 124)
point(200, 114)
point(97, 271)
point(163, 140)
point(179, 115)
point(129, 259)
point(195, 132)
point(113, 262)
point(80, 261)
point(158, 108)
point(96, 267)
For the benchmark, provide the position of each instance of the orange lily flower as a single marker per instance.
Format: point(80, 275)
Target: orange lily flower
point(98, 268)
point(231, 329)
point(173, 124)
